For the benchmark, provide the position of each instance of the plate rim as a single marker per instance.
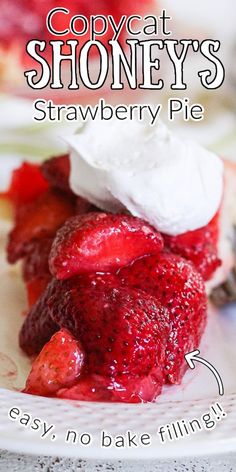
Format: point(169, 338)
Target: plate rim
point(189, 447)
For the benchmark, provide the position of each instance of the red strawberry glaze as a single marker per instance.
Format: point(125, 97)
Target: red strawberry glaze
point(96, 388)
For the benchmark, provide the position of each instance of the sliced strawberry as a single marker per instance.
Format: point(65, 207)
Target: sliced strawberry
point(38, 220)
point(100, 242)
point(122, 330)
point(199, 246)
point(58, 365)
point(177, 285)
point(27, 183)
point(38, 326)
point(57, 171)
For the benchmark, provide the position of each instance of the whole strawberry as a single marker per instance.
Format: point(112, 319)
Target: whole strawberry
point(176, 284)
point(58, 365)
point(123, 332)
point(38, 326)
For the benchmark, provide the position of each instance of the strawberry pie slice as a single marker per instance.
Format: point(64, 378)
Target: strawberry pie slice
point(120, 246)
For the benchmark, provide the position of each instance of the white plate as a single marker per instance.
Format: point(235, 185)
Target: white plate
point(190, 400)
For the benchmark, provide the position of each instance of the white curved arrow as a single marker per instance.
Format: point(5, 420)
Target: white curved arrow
point(192, 356)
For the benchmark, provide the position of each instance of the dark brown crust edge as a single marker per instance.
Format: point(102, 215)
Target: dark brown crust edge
point(226, 292)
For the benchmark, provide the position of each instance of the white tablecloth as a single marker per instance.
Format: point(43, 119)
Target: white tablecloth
point(22, 463)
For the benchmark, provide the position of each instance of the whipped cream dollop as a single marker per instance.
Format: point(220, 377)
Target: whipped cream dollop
point(174, 184)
